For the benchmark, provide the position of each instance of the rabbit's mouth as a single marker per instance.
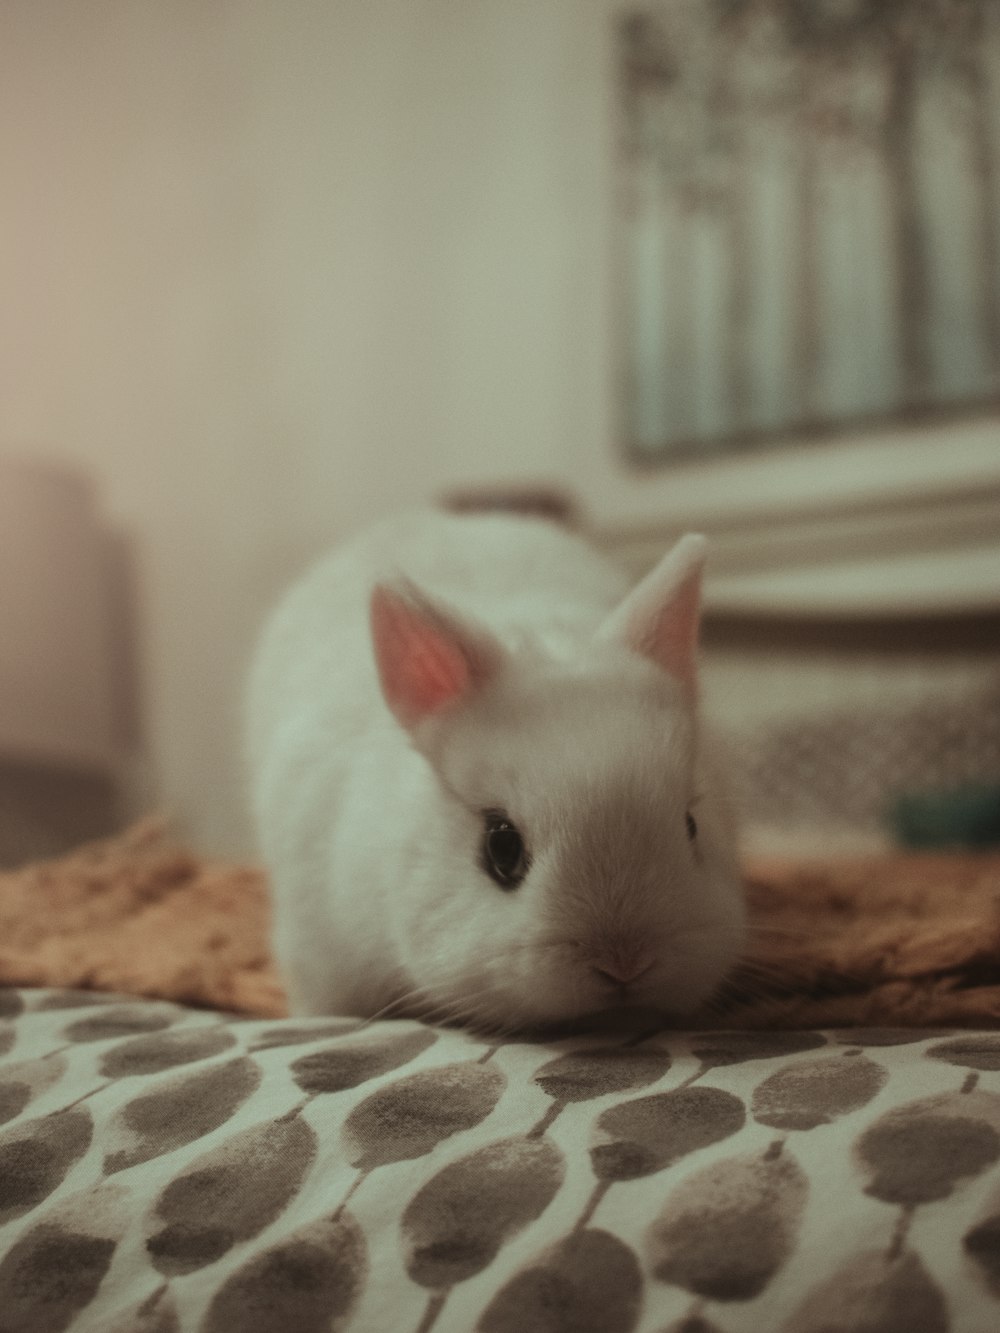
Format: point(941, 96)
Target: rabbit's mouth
point(556, 983)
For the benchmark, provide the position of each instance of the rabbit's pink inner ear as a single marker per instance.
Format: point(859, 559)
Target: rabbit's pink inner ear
point(660, 619)
point(424, 663)
point(670, 635)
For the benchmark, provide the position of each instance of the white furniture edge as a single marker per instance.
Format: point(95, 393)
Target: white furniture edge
point(900, 522)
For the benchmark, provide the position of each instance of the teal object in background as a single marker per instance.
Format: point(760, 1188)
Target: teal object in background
point(966, 816)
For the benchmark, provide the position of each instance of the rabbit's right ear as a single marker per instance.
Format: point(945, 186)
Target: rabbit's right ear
point(659, 618)
point(427, 659)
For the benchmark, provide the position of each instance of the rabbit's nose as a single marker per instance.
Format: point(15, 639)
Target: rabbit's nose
point(622, 971)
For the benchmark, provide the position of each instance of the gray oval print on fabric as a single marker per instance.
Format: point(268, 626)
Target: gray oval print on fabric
point(580, 1076)
point(178, 1111)
point(647, 1134)
point(301, 1034)
point(455, 1225)
point(808, 1093)
point(411, 1116)
point(982, 1244)
point(31, 1302)
point(154, 1054)
point(977, 1051)
point(588, 1283)
point(126, 1021)
point(715, 1049)
point(26, 1080)
point(53, 1270)
point(36, 1157)
point(354, 1061)
point(308, 1282)
point(875, 1293)
point(919, 1152)
point(728, 1229)
point(229, 1194)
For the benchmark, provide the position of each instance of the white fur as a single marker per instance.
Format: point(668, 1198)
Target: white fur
point(372, 834)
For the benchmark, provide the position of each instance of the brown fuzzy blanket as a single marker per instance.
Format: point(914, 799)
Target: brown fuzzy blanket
point(879, 941)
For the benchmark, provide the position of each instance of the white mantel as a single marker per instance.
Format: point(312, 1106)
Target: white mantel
point(898, 522)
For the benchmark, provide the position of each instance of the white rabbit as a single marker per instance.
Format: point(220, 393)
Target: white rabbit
point(480, 783)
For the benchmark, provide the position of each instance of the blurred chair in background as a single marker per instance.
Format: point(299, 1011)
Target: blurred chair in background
point(68, 707)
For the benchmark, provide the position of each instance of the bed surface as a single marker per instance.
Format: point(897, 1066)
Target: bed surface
point(818, 1154)
point(167, 1168)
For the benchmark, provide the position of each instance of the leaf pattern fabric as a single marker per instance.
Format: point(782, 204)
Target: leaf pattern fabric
point(165, 1170)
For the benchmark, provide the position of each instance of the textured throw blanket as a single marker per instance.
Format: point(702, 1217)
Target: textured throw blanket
point(877, 941)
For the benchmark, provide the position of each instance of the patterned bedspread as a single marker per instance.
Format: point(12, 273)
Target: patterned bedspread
point(164, 1168)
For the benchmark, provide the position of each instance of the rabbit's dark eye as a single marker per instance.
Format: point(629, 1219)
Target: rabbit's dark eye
point(692, 827)
point(504, 857)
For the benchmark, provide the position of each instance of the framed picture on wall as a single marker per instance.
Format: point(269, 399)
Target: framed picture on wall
point(804, 298)
point(809, 219)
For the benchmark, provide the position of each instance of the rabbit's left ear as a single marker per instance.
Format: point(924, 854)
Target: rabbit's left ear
point(428, 659)
point(659, 618)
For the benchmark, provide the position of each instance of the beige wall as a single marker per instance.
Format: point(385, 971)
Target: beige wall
point(271, 268)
